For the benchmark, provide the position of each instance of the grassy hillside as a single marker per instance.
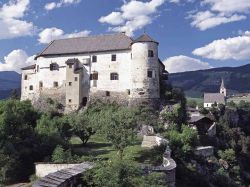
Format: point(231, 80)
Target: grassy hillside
point(195, 83)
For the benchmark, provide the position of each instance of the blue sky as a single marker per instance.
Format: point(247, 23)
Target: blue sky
point(193, 34)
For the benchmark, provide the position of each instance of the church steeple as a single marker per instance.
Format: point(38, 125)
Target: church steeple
point(223, 89)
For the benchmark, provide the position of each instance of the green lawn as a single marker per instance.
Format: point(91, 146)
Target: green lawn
point(198, 100)
point(238, 99)
point(98, 149)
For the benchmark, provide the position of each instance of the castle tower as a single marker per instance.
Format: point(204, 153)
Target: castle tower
point(223, 89)
point(145, 87)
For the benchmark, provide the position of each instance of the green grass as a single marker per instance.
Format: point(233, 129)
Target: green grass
point(98, 149)
point(198, 100)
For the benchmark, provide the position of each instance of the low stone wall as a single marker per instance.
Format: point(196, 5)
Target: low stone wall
point(43, 169)
point(206, 151)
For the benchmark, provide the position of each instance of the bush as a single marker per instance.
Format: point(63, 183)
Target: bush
point(61, 155)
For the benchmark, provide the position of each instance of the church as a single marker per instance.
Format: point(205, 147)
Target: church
point(111, 67)
point(218, 98)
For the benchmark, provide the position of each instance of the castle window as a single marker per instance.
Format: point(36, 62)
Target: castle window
point(53, 67)
point(31, 87)
point(150, 53)
point(114, 76)
point(94, 58)
point(37, 68)
point(113, 57)
point(70, 83)
point(76, 78)
point(107, 93)
point(150, 74)
point(70, 66)
point(25, 77)
point(40, 84)
point(70, 100)
point(94, 76)
point(55, 84)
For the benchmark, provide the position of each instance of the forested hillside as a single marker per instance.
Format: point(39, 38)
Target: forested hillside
point(195, 83)
point(9, 80)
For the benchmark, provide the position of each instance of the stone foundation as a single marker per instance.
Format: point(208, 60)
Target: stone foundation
point(150, 102)
point(121, 98)
point(56, 95)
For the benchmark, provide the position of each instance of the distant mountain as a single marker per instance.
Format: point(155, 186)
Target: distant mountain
point(9, 80)
point(195, 83)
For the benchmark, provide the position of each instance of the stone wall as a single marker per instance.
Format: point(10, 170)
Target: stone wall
point(154, 103)
point(40, 100)
point(43, 169)
point(121, 98)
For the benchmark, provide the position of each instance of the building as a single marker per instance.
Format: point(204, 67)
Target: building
point(216, 98)
point(107, 67)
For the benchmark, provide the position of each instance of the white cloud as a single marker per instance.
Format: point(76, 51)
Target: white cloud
point(114, 18)
point(132, 16)
point(12, 24)
point(61, 3)
point(50, 34)
point(184, 63)
point(16, 60)
point(237, 48)
point(205, 20)
point(229, 6)
point(50, 6)
point(219, 12)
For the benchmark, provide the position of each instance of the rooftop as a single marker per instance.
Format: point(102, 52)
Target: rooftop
point(144, 38)
point(90, 44)
point(214, 97)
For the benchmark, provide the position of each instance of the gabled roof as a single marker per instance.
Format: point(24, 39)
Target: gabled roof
point(194, 119)
point(214, 97)
point(145, 38)
point(29, 67)
point(90, 44)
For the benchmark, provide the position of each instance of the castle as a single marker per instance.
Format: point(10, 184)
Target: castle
point(107, 67)
point(218, 98)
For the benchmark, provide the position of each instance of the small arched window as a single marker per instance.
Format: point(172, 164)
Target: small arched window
point(31, 87)
point(114, 76)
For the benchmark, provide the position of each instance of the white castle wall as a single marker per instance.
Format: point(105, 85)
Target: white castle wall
point(104, 66)
point(25, 87)
point(131, 66)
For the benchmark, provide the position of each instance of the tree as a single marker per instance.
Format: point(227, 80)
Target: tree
point(121, 129)
point(18, 141)
point(14, 94)
point(182, 142)
point(82, 125)
point(191, 103)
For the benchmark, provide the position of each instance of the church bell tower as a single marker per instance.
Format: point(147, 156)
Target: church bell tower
point(223, 90)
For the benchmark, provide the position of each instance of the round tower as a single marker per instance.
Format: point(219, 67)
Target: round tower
point(145, 87)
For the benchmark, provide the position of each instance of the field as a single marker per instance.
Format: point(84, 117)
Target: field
point(238, 99)
point(198, 100)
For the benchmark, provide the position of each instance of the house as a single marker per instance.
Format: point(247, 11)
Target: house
point(201, 123)
point(112, 67)
point(215, 98)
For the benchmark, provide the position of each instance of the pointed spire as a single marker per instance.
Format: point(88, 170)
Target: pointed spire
point(222, 83)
